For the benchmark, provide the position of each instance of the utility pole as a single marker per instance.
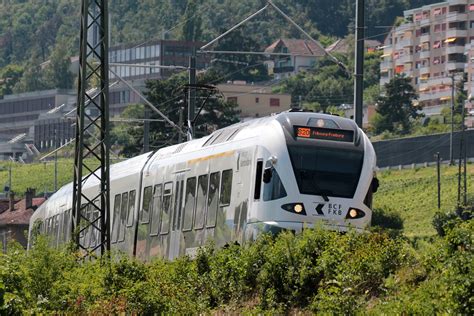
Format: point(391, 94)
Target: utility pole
point(359, 63)
point(180, 137)
point(45, 171)
point(438, 168)
point(451, 147)
point(10, 177)
point(192, 95)
point(91, 213)
point(55, 160)
point(459, 170)
point(464, 153)
point(146, 132)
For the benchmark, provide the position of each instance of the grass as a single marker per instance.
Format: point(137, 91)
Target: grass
point(410, 193)
point(38, 175)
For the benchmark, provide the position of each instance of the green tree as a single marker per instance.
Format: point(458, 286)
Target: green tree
point(129, 135)
point(325, 85)
point(9, 77)
point(192, 22)
point(57, 73)
point(32, 79)
point(396, 108)
point(168, 96)
point(461, 95)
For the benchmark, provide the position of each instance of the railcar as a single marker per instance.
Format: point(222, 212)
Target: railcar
point(289, 171)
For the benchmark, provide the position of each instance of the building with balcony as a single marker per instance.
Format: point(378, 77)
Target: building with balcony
point(430, 45)
point(302, 55)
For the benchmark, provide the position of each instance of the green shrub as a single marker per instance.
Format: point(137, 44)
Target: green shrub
point(316, 271)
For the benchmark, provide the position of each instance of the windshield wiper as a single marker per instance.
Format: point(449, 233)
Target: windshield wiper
point(313, 181)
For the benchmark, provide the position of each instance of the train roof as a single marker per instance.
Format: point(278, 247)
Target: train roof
point(238, 131)
point(235, 131)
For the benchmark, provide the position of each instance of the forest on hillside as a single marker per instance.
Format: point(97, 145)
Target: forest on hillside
point(32, 32)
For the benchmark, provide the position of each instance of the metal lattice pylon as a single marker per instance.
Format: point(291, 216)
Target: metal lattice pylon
point(91, 213)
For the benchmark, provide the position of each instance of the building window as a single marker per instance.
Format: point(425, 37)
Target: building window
point(232, 100)
point(257, 100)
point(274, 102)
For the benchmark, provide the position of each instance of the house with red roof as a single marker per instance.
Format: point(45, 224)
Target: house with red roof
point(15, 220)
point(295, 55)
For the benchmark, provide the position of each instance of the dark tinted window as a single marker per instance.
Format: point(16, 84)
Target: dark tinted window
point(258, 180)
point(155, 217)
point(226, 187)
point(213, 199)
point(274, 190)
point(123, 216)
point(166, 210)
point(325, 171)
point(145, 214)
point(115, 226)
point(131, 208)
point(190, 199)
point(201, 202)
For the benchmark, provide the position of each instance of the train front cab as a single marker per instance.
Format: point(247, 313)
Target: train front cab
point(321, 173)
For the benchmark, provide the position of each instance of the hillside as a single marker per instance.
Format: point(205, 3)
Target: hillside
point(32, 32)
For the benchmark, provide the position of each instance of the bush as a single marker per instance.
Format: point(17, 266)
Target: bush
point(318, 271)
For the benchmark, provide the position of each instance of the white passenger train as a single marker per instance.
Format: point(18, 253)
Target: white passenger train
point(285, 172)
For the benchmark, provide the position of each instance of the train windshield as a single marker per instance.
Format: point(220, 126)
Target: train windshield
point(326, 171)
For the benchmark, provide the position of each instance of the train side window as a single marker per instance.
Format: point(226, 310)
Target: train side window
point(94, 238)
point(145, 213)
point(83, 215)
point(117, 204)
point(226, 187)
point(213, 199)
point(35, 231)
point(166, 209)
point(66, 225)
point(176, 204)
point(123, 217)
point(274, 189)
point(189, 203)
point(201, 202)
point(258, 180)
point(88, 231)
point(56, 229)
point(179, 205)
point(131, 208)
point(48, 226)
point(155, 217)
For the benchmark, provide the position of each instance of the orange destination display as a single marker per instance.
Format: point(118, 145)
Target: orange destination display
point(324, 134)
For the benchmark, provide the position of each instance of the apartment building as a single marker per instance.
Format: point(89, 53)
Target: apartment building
point(429, 46)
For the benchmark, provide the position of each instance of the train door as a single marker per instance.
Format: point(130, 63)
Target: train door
point(144, 221)
point(176, 222)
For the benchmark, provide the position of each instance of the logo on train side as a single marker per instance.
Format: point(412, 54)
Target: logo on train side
point(332, 209)
point(319, 209)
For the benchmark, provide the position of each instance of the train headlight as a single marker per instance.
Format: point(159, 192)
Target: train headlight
point(298, 208)
point(355, 213)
